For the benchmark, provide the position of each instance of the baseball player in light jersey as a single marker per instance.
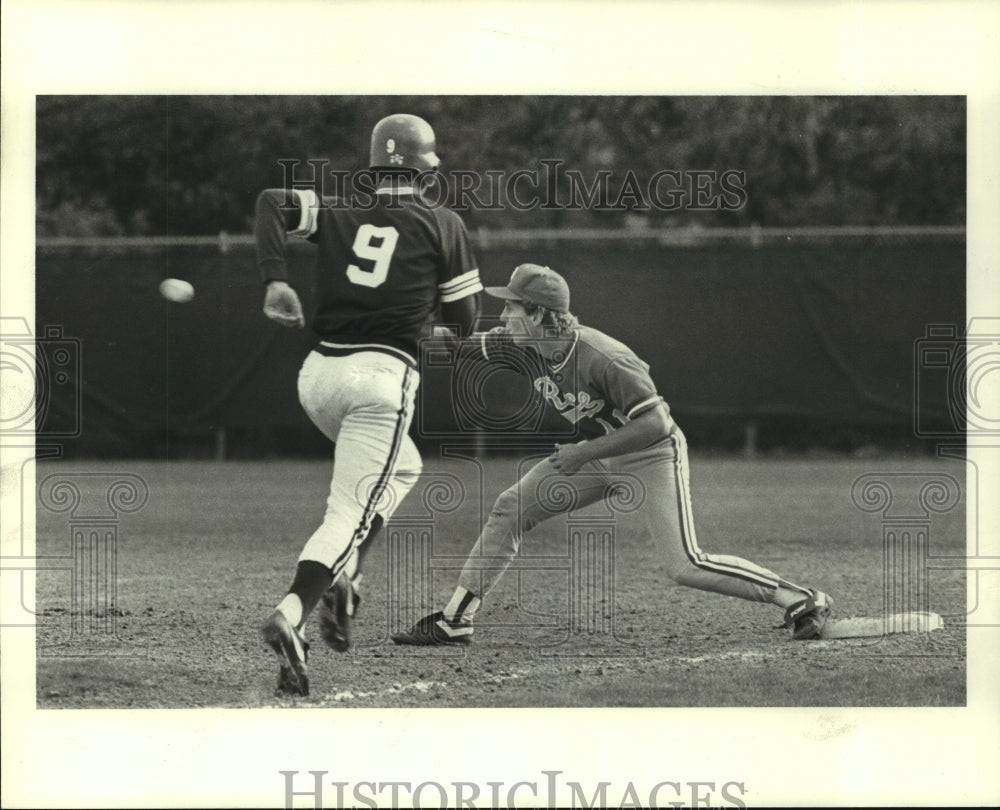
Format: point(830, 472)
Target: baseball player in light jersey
point(382, 271)
point(599, 384)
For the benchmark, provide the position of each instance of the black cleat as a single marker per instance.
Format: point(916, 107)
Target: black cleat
point(292, 651)
point(808, 617)
point(337, 607)
point(435, 630)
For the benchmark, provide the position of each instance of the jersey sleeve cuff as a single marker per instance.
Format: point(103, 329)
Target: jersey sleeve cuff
point(273, 270)
point(643, 405)
point(460, 287)
point(309, 219)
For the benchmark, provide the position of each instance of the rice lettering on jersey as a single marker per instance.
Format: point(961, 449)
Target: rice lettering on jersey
point(572, 407)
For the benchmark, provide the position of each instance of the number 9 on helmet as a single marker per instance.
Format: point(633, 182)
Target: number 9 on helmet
point(403, 141)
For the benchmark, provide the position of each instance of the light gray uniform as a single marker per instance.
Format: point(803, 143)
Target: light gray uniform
point(600, 385)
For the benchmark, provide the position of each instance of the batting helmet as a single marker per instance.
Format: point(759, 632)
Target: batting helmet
point(403, 142)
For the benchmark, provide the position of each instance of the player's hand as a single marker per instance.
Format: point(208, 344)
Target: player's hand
point(443, 335)
point(499, 337)
point(282, 305)
point(568, 458)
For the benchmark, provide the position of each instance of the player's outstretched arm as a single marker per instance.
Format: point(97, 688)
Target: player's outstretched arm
point(643, 430)
point(277, 212)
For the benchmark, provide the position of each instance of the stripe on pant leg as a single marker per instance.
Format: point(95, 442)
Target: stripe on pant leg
point(383, 480)
point(689, 540)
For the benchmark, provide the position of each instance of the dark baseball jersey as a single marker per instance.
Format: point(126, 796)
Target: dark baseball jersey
point(381, 270)
point(598, 386)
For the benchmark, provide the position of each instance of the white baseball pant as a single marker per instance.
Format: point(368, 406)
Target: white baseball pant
point(662, 469)
point(363, 402)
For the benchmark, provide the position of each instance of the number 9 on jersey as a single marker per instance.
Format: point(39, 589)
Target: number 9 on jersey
point(376, 244)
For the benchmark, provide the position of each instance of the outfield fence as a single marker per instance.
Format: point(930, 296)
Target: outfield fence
point(758, 338)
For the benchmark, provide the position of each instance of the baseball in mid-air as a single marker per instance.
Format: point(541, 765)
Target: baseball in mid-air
point(176, 290)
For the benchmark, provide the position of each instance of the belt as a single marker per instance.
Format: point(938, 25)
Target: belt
point(345, 349)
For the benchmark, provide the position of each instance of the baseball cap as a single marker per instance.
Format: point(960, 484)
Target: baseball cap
point(537, 285)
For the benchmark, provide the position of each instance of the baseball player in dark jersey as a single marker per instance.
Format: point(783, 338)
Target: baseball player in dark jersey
point(382, 271)
point(598, 384)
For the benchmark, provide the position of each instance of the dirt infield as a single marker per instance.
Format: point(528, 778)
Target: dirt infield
point(199, 565)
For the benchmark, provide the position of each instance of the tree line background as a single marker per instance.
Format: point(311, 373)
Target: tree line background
point(193, 165)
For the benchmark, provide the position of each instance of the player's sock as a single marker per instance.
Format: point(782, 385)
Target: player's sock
point(311, 580)
point(291, 606)
point(462, 607)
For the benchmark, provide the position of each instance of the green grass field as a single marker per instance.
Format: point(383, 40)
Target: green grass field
point(202, 563)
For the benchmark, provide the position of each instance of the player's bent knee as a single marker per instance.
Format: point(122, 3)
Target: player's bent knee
point(505, 506)
point(505, 510)
point(508, 514)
